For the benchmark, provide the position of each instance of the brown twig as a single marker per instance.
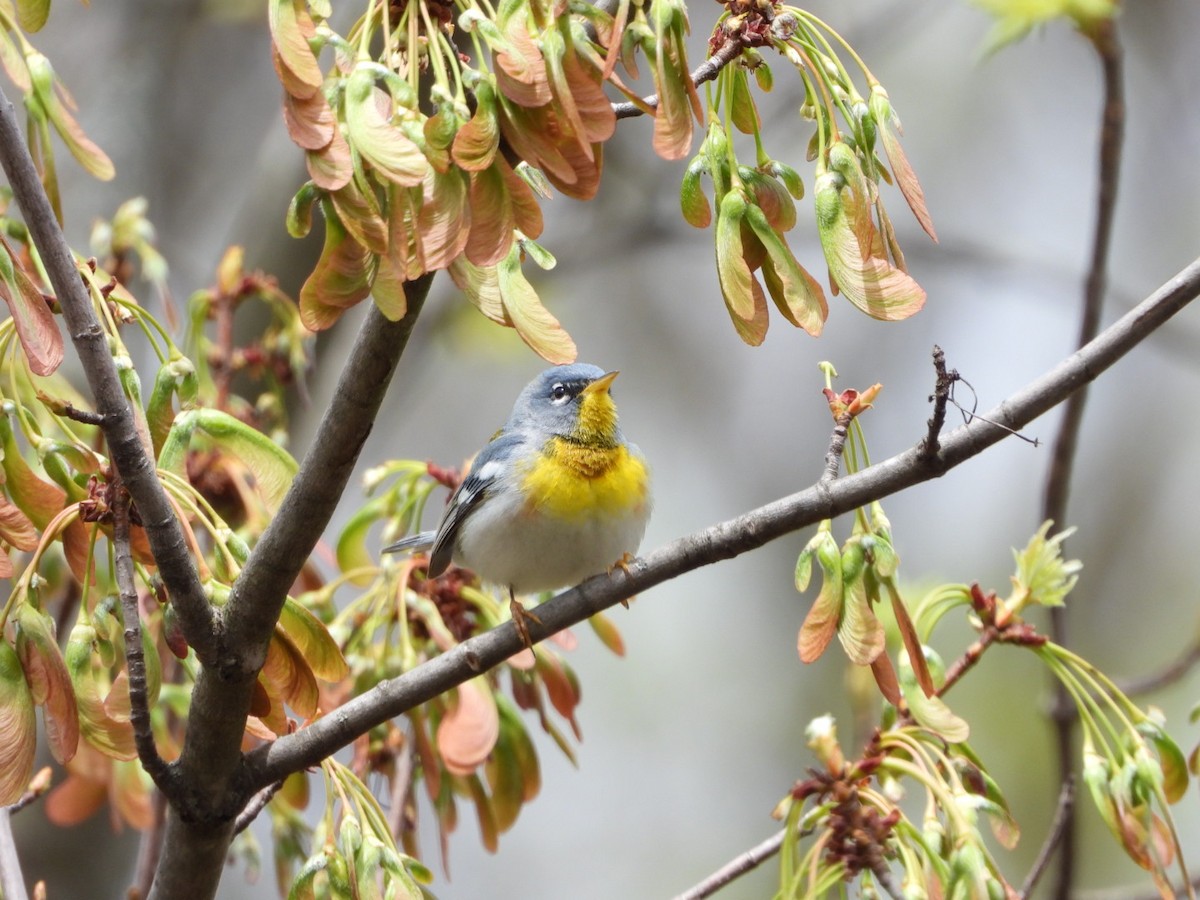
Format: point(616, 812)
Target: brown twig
point(135, 658)
point(1058, 825)
point(735, 868)
point(1058, 481)
point(943, 384)
point(256, 805)
point(1168, 675)
point(171, 551)
point(706, 71)
point(149, 848)
point(86, 416)
point(837, 446)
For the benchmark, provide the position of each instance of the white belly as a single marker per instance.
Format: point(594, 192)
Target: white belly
point(509, 545)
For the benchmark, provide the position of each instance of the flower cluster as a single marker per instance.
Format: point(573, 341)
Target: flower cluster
point(755, 204)
point(424, 157)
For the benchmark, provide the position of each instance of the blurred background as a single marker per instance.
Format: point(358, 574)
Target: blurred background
point(692, 739)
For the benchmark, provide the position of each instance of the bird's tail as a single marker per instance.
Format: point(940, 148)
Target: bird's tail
point(421, 541)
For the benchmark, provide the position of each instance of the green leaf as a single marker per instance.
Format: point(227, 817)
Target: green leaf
point(32, 14)
point(32, 318)
point(795, 292)
point(860, 632)
point(692, 200)
point(17, 724)
point(931, 712)
point(381, 143)
point(40, 500)
point(1170, 757)
point(48, 680)
point(820, 625)
point(732, 270)
point(742, 108)
point(273, 467)
point(94, 160)
point(533, 322)
point(1042, 574)
point(341, 279)
point(477, 141)
point(110, 737)
point(906, 178)
point(177, 375)
point(313, 640)
point(852, 244)
point(1016, 18)
point(290, 26)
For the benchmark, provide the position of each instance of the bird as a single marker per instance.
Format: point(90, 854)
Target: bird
point(556, 495)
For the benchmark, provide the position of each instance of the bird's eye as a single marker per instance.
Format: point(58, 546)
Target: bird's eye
point(559, 394)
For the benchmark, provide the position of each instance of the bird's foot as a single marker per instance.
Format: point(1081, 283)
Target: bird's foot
point(521, 618)
point(623, 564)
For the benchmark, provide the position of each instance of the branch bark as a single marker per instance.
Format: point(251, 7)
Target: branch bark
point(137, 469)
point(201, 824)
point(135, 657)
point(1058, 480)
point(723, 541)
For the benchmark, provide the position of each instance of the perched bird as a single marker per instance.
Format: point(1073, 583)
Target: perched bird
point(557, 495)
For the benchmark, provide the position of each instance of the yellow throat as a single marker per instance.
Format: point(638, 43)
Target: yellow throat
point(588, 472)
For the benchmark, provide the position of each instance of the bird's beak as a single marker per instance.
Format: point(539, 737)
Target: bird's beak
point(601, 384)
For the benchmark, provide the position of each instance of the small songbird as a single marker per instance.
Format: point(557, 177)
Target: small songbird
point(557, 495)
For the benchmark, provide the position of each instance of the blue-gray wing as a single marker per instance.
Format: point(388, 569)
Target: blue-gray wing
point(422, 540)
point(490, 468)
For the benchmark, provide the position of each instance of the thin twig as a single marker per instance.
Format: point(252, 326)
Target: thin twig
point(837, 446)
point(402, 764)
point(171, 552)
point(149, 848)
point(135, 657)
point(1058, 482)
point(86, 416)
point(396, 696)
point(735, 868)
point(38, 785)
point(256, 805)
point(706, 71)
point(943, 383)
point(1058, 825)
point(1168, 675)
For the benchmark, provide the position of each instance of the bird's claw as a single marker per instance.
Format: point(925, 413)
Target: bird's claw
point(521, 618)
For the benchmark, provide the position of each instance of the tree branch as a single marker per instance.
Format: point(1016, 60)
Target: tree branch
point(939, 398)
point(171, 552)
point(135, 657)
point(723, 541)
point(1058, 481)
point(1058, 829)
point(735, 868)
point(200, 828)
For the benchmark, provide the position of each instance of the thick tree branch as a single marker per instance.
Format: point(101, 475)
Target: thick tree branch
point(723, 541)
point(258, 594)
point(200, 825)
point(171, 552)
point(1062, 461)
